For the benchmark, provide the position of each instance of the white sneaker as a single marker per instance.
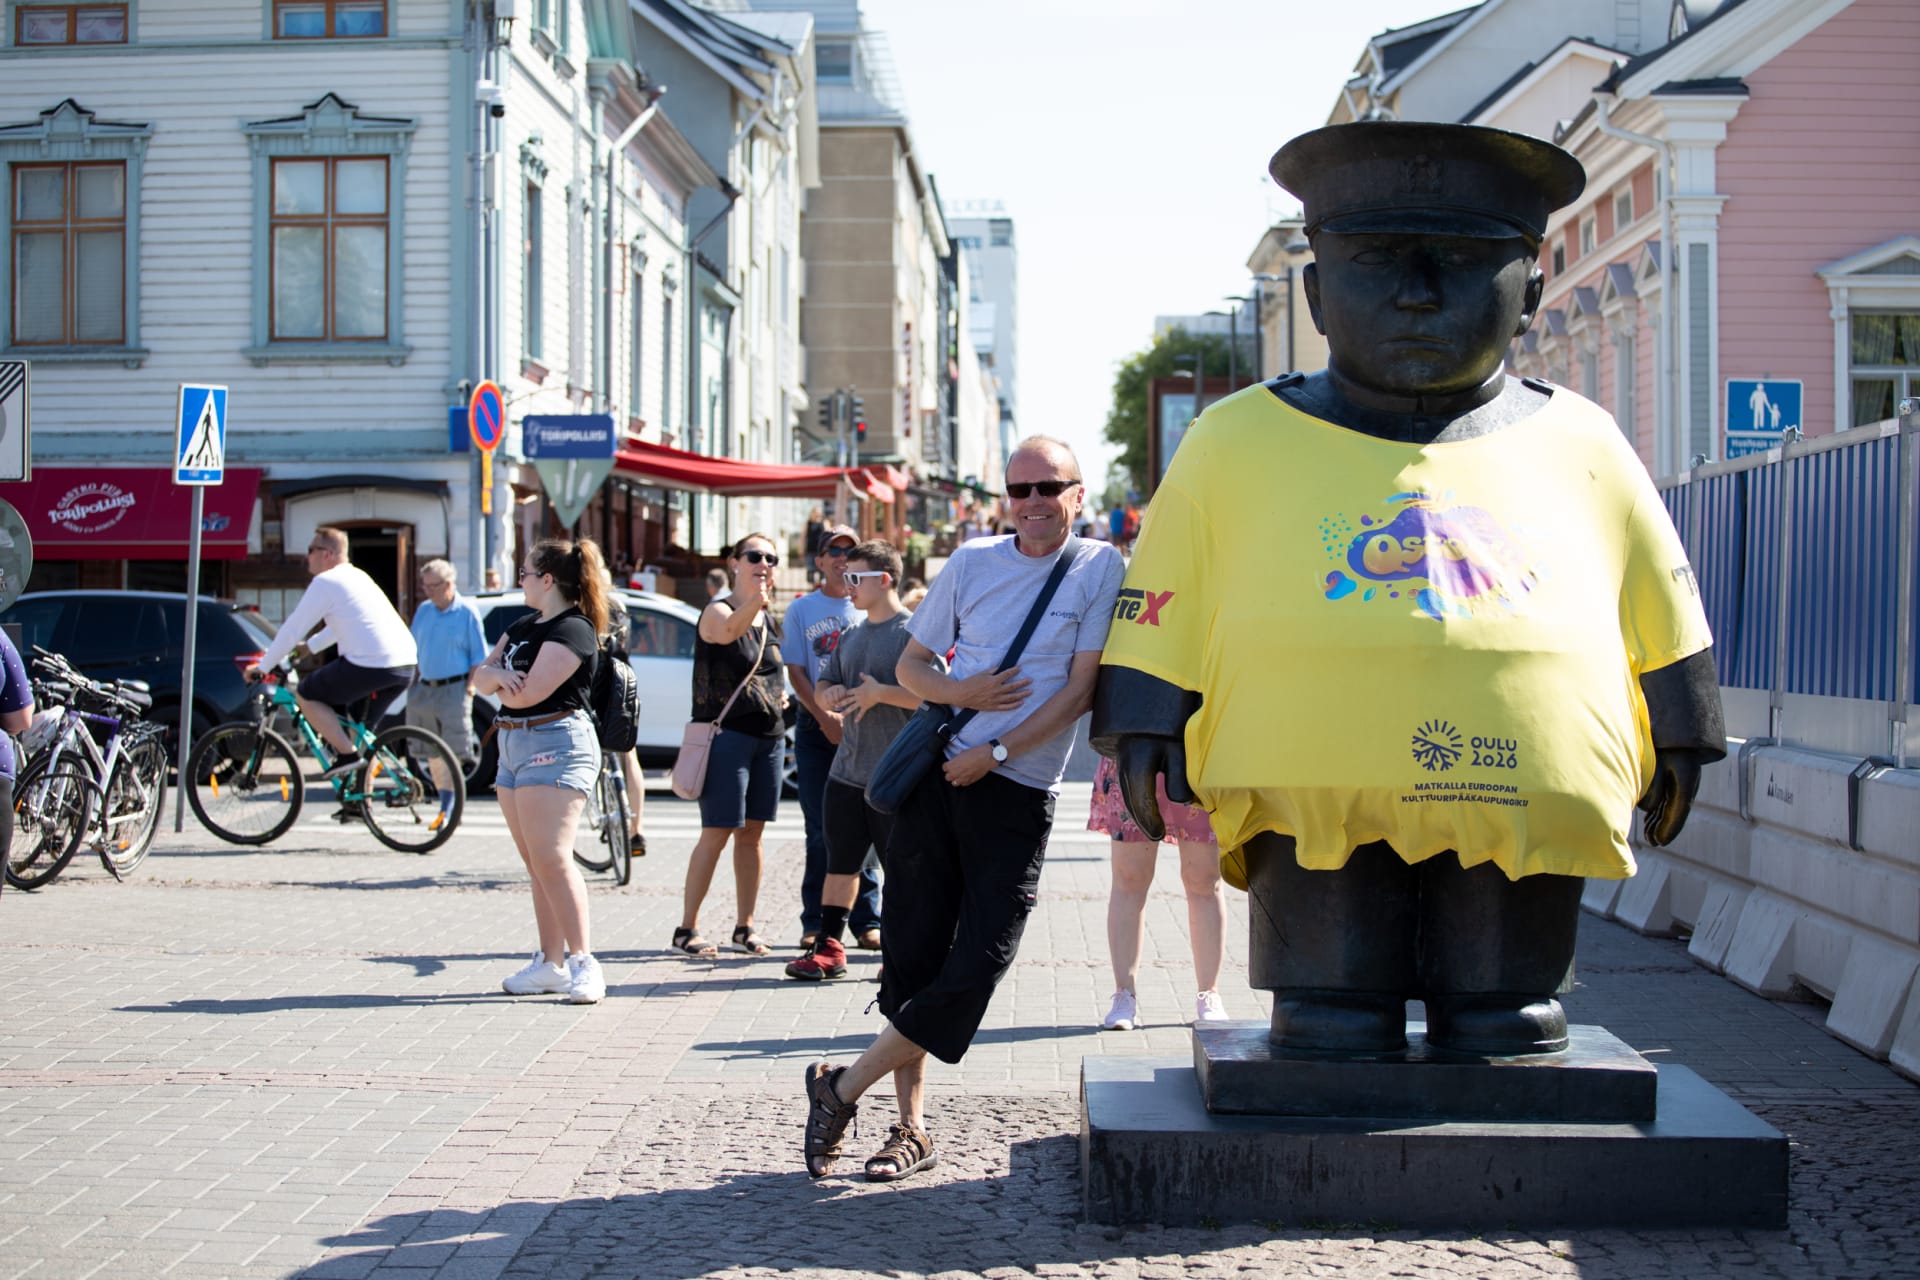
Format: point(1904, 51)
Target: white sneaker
point(1208, 1007)
point(587, 985)
point(1124, 1015)
point(538, 978)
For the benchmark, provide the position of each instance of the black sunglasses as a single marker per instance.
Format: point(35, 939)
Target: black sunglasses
point(760, 557)
point(1047, 488)
point(838, 553)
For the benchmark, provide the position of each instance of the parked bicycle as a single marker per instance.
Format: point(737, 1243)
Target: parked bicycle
point(600, 840)
point(73, 789)
point(247, 787)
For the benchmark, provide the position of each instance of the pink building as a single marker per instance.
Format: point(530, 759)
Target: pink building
point(1752, 211)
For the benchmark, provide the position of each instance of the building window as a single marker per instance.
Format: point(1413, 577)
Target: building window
point(70, 24)
point(1626, 370)
point(1559, 257)
point(328, 275)
point(321, 19)
point(329, 251)
point(666, 362)
point(636, 348)
point(1590, 375)
point(1589, 234)
point(1622, 209)
point(69, 254)
point(1884, 360)
point(531, 253)
point(833, 62)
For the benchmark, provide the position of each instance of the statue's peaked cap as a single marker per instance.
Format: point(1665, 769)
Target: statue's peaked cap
point(1442, 179)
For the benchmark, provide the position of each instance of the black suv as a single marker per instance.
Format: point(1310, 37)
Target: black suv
point(141, 635)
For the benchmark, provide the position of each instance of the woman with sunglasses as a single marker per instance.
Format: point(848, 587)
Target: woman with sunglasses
point(542, 668)
point(737, 649)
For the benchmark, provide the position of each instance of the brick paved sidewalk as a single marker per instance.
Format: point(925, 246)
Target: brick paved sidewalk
point(295, 1062)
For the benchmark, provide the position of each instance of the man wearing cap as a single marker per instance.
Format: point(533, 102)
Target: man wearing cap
point(812, 626)
point(1473, 643)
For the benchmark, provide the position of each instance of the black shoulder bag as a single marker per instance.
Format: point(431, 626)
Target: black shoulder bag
point(922, 741)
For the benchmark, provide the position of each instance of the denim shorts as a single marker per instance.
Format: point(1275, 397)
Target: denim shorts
point(743, 781)
point(560, 753)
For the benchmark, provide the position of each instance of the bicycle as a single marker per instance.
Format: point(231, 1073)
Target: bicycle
point(246, 785)
point(73, 787)
point(604, 822)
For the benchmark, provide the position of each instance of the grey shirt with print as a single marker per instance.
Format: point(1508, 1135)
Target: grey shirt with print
point(976, 606)
point(867, 648)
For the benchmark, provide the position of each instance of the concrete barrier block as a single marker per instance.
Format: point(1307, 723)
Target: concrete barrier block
point(1821, 946)
point(1599, 896)
point(1720, 782)
point(1904, 1056)
point(1760, 957)
point(1718, 840)
point(1714, 927)
point(1890, 817)
point(1645, 902)
point(1875, 989)
point(1687, 889)
point(1860, 888)
point(1801, 791)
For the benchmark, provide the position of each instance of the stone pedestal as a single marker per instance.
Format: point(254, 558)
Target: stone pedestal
point(1152, 1151)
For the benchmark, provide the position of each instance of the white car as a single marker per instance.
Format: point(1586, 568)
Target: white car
point(660, 635)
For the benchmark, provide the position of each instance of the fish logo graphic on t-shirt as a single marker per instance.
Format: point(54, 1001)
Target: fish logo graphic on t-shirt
point(1449, 561)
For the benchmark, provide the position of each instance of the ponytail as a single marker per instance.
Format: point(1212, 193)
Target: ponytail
point(580, 571)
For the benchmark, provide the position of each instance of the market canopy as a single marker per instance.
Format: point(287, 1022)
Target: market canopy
point(667, 468)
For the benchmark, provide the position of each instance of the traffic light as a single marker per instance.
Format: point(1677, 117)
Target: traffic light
point(826, 415)
point(859, 410)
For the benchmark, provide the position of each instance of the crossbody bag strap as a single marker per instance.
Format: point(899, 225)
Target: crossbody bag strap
point(752, 671)
point(1061, 564)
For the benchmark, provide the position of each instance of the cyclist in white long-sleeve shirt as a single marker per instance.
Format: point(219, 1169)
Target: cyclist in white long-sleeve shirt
point(376, 649)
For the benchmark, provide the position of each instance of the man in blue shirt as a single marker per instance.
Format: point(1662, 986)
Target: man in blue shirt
point(812, 628)
point(447, 631)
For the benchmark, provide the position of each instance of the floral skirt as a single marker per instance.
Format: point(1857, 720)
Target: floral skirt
point(1109, 812)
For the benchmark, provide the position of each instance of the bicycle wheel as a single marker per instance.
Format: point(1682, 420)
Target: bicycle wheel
point(590, 832)
point(245, 784)
point(613, 780)
point(50, 811)
point(136, 797)
point(411, 791)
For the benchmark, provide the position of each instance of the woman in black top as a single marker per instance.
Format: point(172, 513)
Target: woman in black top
point(542, 668)
point(738, 649)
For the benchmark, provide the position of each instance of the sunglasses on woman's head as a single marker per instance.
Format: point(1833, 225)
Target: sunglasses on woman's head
point(1047, 488)
point(760, 557)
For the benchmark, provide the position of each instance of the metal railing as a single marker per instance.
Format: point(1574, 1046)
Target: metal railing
point(1806, 558)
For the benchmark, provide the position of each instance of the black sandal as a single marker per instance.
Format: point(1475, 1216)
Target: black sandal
point(636, 845)
point(827, 1119)
point(908, 1150)
point(745, 939)
point(691, 943)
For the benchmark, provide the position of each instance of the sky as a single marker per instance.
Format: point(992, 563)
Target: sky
point(1129, 141)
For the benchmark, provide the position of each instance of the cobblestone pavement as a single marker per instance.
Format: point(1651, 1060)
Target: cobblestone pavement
point(295, 1062)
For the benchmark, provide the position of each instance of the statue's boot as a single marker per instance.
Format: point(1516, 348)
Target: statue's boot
point(1493, 954)
point(1336, 948)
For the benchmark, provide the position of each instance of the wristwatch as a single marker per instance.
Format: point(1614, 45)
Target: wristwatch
point(999, 751)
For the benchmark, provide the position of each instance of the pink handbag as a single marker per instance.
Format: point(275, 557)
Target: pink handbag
point(696, 741)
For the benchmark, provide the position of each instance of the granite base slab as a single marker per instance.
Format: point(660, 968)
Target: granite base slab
point(1599, 1077)
point(1151, 1152)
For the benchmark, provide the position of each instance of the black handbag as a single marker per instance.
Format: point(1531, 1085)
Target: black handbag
point(922, 741)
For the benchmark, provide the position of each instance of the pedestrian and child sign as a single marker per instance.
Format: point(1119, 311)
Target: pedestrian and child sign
point(1758, 411)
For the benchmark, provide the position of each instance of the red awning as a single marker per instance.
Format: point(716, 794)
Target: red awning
point(657, 464)
point(131, 513)
point(874, 487)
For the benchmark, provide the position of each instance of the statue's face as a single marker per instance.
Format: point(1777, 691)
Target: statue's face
point(1414, 314)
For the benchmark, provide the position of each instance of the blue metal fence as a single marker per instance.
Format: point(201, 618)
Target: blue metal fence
point(1807, 563)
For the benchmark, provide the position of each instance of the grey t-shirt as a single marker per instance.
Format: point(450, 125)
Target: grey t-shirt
point(976, 606)
point(867, 648)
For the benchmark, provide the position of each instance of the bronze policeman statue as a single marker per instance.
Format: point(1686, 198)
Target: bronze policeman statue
point(1421, 633)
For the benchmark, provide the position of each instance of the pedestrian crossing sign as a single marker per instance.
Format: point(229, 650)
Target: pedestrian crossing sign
point(200, 441)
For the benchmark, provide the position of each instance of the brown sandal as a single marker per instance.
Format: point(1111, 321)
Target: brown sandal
point(827, 1119)
point(908, 1150)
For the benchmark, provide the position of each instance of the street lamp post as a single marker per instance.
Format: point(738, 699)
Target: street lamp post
point(1233, 328)
point(1294, 248)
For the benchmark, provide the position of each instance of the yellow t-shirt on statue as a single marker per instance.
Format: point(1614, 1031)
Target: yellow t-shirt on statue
point(1438, 645)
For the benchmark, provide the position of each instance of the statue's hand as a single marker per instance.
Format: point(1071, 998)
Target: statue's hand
point(1676, 778)
point(1139, 759)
